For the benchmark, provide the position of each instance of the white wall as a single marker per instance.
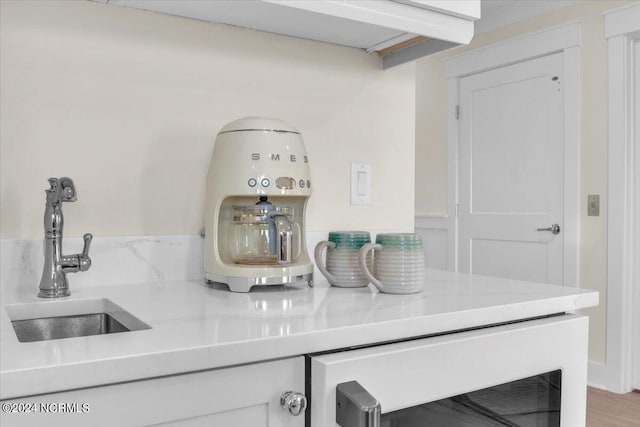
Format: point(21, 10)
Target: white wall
point(431, 140)
point(128, 103)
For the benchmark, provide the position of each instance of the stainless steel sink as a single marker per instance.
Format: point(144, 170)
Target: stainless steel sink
point(70, 319)
point(53, 328)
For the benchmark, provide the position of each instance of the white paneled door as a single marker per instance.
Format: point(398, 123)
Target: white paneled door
point(510, 171)
point(636, 274)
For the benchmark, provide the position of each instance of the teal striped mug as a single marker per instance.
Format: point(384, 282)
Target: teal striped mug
point(398, 263)
point(342, 268)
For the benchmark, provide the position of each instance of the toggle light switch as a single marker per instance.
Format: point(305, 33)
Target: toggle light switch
point(363, 184)
point(360, 184)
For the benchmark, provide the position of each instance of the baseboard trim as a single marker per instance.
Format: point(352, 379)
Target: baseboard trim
point(597, 375)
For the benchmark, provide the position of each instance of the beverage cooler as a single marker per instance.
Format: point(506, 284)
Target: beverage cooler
point(524, 374)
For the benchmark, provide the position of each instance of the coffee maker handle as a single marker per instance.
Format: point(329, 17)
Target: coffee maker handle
point(280, 237)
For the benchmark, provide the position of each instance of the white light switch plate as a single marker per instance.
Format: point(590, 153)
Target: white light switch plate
point(360, 184)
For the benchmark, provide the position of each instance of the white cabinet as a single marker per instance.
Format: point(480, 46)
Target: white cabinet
point(416, 27)
point(246, 395)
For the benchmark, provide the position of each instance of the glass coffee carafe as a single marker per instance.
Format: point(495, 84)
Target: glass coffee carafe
point(263, 234)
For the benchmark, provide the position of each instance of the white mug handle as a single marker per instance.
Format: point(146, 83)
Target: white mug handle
point(362, 260)
point(317, 256)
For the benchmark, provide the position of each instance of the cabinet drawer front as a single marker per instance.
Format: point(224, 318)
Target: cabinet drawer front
point(237, 396)
point(411, 373)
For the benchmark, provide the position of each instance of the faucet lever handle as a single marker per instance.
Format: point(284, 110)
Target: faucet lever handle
point(87, 244)
point(84, 262)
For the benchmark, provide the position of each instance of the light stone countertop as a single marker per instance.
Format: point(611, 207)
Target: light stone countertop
point(196, 327)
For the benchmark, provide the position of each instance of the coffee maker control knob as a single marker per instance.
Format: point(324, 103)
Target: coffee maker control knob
point(294, 402)
point(285, 183)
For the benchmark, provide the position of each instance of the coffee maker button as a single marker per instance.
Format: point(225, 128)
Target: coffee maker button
point(285, 183)
point(252, 182)
point(308, 184)
point(302, 183)
point(265, 182)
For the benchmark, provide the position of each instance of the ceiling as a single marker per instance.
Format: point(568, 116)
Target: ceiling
point(499, 13)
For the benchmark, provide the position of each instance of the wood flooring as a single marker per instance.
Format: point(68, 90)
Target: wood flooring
point(605, 409)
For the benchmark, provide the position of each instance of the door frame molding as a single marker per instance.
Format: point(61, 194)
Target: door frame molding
point(622, 31)
point(563, 39)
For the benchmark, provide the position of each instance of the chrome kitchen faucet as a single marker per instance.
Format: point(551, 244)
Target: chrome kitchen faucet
point(56, 266)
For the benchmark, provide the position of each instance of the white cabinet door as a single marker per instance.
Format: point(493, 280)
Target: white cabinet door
point(412, 373)
point(636, 376)
point(240, 396)
point(467, 9)
point(511, 171)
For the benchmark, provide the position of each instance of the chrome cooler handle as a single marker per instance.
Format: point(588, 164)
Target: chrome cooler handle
point(356, 407)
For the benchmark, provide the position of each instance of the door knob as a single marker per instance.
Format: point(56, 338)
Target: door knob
point(293, 402)
point(554, 229)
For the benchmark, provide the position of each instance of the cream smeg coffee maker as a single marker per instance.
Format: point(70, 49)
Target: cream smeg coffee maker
point(258, 186)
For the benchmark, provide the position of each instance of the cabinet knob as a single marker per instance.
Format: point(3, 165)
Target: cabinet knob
point(293, 402)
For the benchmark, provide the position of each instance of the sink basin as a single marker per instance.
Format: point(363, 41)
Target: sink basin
point(54, 320)
point(53, 328)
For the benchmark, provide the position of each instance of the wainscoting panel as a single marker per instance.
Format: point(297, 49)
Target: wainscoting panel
point(434, 231)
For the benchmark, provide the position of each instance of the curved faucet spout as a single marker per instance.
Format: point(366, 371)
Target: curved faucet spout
point(62, 190)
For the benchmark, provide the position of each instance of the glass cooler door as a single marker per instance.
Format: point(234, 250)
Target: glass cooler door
point(529, 402)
